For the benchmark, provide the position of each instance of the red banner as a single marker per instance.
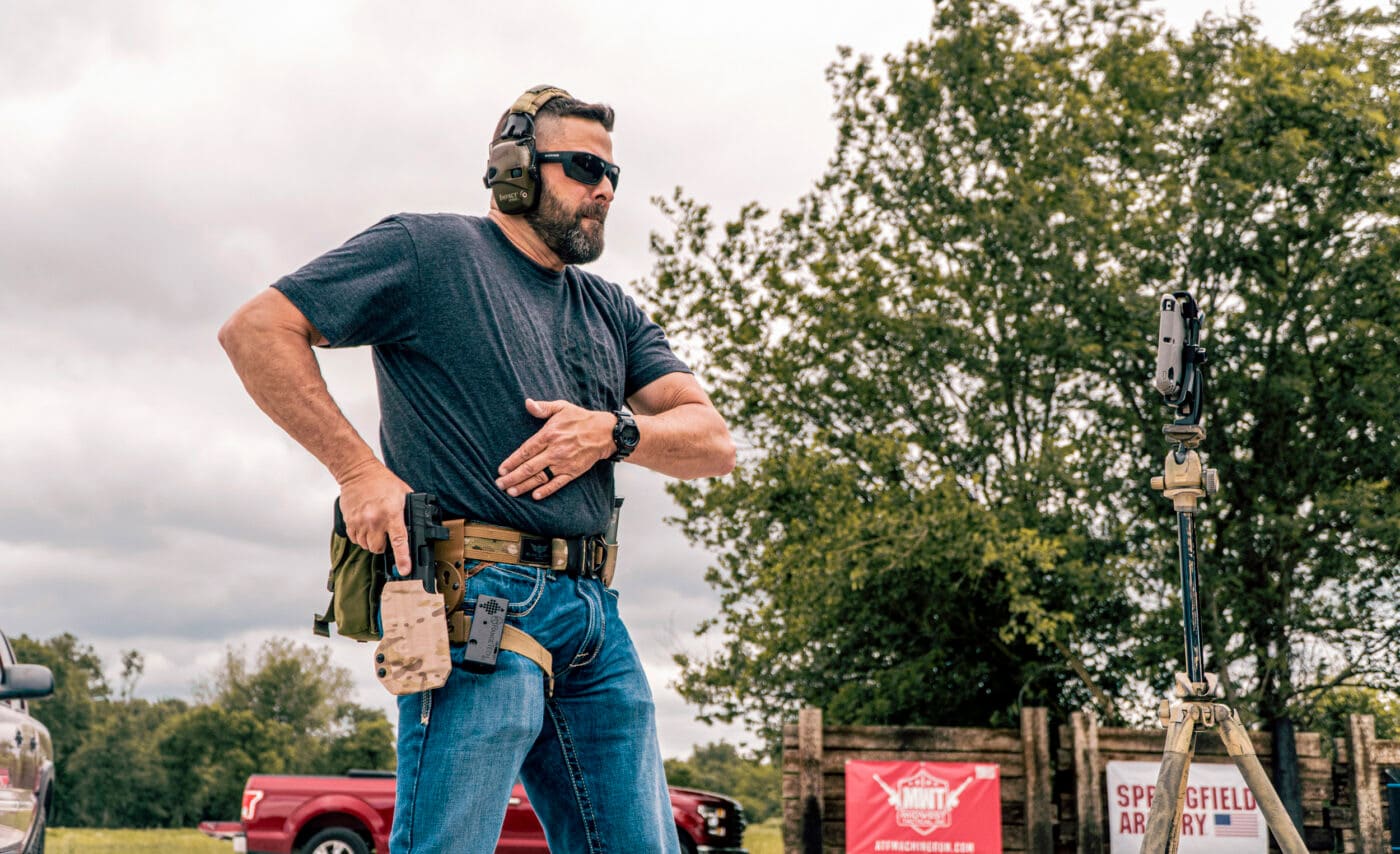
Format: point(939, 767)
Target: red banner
point(938, 807)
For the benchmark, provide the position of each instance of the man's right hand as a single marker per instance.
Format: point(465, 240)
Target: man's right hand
point(372, 501)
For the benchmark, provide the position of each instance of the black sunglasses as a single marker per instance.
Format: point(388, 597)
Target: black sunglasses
point(582, 167)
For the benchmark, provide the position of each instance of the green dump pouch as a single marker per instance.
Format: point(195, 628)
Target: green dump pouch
point(355, 581)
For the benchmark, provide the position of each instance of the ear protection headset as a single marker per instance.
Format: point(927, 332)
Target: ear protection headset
point(512, 175)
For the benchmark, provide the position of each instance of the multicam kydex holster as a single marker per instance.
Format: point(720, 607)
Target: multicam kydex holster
point(413, 654)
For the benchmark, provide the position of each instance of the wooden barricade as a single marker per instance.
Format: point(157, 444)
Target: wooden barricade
point(1360, 802)
point(1054, 794)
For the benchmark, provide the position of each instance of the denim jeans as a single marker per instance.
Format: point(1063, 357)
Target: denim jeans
point(588, 755)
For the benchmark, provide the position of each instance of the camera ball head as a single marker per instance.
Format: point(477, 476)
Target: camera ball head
point(1185, 480)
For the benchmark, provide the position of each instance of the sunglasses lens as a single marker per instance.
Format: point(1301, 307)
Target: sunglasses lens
point(585, 167)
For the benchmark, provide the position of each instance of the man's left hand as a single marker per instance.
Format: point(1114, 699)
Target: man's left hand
point(570, 443)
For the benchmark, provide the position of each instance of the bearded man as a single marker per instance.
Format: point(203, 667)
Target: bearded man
point(510, 384)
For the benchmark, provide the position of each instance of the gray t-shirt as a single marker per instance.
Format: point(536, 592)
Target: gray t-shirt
point(464, 328)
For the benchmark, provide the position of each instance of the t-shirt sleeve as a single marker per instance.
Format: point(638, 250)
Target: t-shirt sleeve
point(361, 292)
point(649, 356)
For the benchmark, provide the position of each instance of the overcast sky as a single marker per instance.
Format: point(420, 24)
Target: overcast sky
point(160, 163)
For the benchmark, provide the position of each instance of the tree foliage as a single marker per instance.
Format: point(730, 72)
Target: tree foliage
point(129, 762)
point(1330, 713)
point(287, 683)
point(208, 753)
point(116, 774)
point(938, 363)
point(719, 767)
point(1293, 232)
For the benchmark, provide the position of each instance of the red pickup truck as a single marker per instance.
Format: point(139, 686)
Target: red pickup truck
point(352, 815)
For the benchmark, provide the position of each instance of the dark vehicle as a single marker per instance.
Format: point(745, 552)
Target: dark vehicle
point(26, 755)
point(352, 815)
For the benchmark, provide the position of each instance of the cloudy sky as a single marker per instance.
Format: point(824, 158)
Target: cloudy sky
point(160, 163)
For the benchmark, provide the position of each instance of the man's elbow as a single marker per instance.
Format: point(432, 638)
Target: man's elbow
point(265, 319)
point(725, 455)
point(234, 329)
point(228, 333)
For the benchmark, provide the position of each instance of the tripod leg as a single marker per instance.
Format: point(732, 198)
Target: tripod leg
point(1169, 796)
point(1241, 749)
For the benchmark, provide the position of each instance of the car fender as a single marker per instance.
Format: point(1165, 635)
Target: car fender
point(688, 819)
point(46, 779)
point(323, 804)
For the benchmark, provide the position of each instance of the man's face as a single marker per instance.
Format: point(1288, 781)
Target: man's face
point(570, 215)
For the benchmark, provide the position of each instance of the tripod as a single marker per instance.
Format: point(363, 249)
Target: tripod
point(1186, 481)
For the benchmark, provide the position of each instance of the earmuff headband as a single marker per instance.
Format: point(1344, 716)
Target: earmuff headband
point(532, 100)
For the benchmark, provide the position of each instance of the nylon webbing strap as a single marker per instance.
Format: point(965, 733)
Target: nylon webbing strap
point(459, 626)
point(535, 98)
point(492, 544)
point(487, 544)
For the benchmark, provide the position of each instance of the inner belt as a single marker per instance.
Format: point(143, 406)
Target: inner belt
point(580, 557)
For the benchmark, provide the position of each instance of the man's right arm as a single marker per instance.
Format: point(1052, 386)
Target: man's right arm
point(269, 342)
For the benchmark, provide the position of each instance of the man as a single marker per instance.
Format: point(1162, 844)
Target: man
point(502, 372)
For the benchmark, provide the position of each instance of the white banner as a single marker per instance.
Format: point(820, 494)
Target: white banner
point(1220, 815)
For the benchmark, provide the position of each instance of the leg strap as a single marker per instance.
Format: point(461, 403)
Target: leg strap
point(459, 626)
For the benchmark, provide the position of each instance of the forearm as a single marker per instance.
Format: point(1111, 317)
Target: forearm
point(281, 374)
point(686, 441)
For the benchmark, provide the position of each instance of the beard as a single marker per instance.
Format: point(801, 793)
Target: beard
point(569, 234)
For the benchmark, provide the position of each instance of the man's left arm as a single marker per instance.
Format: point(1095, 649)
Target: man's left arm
point(682, 435)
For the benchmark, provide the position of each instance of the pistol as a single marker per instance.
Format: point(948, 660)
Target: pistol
point(423, 518)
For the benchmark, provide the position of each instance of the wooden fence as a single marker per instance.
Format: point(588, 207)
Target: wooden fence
point(1053, 783)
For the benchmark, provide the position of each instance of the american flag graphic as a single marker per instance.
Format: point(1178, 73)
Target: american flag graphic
point(1244, 824)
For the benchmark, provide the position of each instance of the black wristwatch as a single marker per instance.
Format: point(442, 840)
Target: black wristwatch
point(625, 436)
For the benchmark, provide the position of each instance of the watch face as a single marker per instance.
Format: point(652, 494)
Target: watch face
point(629, 434)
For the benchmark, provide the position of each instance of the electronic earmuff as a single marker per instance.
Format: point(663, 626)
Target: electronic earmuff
point(512, 175)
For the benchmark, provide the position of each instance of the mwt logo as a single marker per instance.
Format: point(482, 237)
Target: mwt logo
point(937, 807)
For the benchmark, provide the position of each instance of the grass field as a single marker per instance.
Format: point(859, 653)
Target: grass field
point(766, 838)
point(84, 841)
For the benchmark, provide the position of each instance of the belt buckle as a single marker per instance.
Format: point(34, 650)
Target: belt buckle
point(596, 548)
point(592, 556)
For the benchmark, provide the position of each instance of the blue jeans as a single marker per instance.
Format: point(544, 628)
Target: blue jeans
point(588, 755)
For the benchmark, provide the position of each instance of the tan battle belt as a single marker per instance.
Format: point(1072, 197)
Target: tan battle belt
point(459, 626)
point(586, 557)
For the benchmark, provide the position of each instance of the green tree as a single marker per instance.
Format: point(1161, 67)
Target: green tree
point(298, 686)
point(1292, 233)
point(938, 362)
point(1329, 715)
point(117, 774)
point(362, 738)
point(719, 767)
point(210, 751)
point(289, 682)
